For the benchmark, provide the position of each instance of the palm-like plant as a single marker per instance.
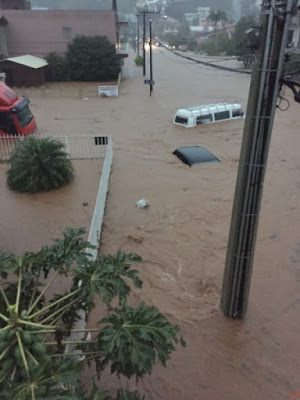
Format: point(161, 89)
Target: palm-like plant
point(35, 327)
point(38, 165)
point(216, 17)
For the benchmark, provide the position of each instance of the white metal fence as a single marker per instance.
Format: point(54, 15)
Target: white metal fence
point(95, 229)
point(78, 147)
point(94, 239)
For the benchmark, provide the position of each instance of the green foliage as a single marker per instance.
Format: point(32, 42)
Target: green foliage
point(217, 16)
point(57, 69)
point(222, 44)
point(135, 338)
point(38, 165)
point(237, 46)
point(35, 324)
point(292, 64)
point(241, 41)
point(139, 60)
point(53, 380)
point(93, 59)
point(104, 277)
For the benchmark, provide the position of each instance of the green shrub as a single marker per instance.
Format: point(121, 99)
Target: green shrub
point(139, 60)
point(292, 64)
point(93, 58)
point(57, 69)
point(39, 165)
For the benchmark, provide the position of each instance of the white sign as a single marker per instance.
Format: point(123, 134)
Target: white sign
point(108, 91)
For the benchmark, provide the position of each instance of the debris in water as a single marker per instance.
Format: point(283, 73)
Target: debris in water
point(143, 203)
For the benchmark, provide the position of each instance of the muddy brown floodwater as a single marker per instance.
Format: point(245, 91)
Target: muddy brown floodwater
point(183, 234)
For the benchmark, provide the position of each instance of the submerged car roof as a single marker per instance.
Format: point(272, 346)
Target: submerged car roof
point(194, 155)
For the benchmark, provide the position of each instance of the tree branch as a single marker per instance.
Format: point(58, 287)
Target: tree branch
point(54, 304)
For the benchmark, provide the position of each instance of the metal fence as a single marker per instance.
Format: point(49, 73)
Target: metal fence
point(95, 229)
point(78, 147)
point(94, 239)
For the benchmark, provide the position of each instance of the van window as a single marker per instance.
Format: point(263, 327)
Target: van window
point(24, 116)
point(237, 113)
point(7, 124)
point(204, 119)
point(181, 120)
point(221, 115)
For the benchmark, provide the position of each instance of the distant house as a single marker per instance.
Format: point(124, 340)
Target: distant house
point(166, 25)
point(199, 17)
point(40, 32)
point(192, 18)
point(24, 70)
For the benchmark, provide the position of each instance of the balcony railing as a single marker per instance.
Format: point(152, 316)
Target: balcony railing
point(122, 48)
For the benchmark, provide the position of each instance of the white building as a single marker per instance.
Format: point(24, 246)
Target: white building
point(198, 18)
point(203, 12)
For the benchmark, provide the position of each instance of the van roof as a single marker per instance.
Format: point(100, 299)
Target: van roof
point(214, 105)
point(207, 109)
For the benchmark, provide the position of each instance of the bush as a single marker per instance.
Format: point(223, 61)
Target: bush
point(292, 64)
point(39, 165)
point(93, 59)
point(139, 60)
point(57, 69)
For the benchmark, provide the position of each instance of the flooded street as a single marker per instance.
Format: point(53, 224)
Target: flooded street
point(184, 232)
point(182, 236)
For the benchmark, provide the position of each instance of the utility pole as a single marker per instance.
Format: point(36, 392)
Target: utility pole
point(138, 35)
point(271, 44)
point(144, 39)
point(144, 12)
point(151, 63)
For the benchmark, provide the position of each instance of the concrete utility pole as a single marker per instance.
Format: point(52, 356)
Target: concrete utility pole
point(138, 36)
point(144, 39)
point(151, 60)
point(270, 43)
point(144, 36)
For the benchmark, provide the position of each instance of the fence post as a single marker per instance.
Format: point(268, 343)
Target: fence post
point(67, 146)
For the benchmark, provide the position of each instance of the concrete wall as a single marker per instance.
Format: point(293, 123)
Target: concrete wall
point(40, 32)
point(3, 42)
point(15, 4)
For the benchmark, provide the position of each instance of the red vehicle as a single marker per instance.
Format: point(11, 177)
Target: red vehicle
point(15, 115)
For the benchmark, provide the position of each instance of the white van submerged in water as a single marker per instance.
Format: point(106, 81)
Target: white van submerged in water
point(206, 114)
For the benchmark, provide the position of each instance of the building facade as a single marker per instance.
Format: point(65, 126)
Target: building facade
point(41, 32)
point(15, 4)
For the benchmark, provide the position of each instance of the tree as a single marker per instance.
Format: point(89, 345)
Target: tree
point(36, 326)
point(57, 69)
point(216, 17)
point(93, 59)
point(241, 41)
point(39, 165)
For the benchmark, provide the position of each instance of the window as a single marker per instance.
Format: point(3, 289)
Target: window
point(7, 124)
point(24, 116)
point(181, 120)
point(204, 119)
point(221, 115)
point(237, 113)
point(67, 32)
